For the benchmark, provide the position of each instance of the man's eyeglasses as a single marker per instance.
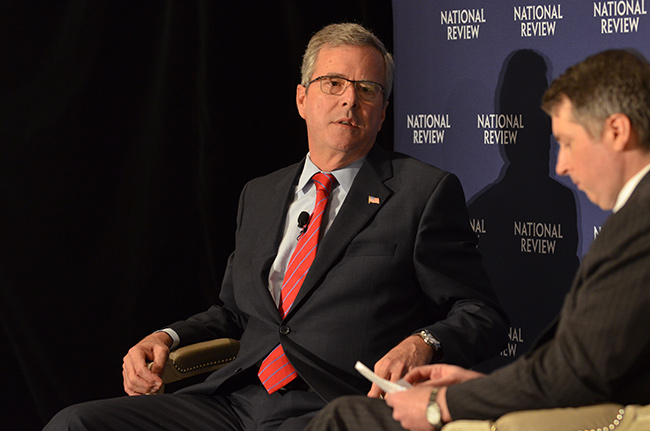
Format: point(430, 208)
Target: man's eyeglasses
point(336, 85)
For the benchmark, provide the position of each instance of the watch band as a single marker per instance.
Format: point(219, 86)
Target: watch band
point(430, 340)
point(433, 414)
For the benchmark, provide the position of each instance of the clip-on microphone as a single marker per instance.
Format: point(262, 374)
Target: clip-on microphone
point(303, 222)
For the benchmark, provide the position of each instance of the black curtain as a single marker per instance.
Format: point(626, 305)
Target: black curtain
point(127, 130)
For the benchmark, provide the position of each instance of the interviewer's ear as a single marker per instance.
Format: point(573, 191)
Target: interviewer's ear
point(618, 130)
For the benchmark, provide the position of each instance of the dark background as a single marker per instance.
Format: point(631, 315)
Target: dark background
point(127, 130)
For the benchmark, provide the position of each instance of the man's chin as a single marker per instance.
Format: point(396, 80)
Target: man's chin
point(603, 204)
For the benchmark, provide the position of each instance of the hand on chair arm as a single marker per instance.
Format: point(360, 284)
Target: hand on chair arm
point(138, 378)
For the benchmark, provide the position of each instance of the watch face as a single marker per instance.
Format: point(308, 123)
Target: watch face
point(433, 414)
point(429, 339)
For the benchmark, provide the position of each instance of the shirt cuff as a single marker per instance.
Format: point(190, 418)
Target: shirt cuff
point(176, 340)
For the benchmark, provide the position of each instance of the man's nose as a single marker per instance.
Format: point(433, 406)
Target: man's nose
point(560, 164)
point(349, 95)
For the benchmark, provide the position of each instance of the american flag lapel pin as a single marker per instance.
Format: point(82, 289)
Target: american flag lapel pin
point(373, 200)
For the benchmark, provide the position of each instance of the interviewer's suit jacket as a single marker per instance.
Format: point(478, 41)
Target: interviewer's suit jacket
point(382, 271)
point(598, 350)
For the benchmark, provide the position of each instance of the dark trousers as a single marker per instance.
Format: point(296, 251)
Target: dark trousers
point(355, 413)
point(247, 408)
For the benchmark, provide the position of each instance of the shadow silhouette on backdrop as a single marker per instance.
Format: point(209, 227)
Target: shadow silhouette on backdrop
point(526, 220)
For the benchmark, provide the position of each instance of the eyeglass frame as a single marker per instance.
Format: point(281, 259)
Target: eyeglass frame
point(349, 81)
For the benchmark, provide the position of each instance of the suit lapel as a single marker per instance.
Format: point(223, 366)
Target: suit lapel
point(354, 214)
point(268, 241)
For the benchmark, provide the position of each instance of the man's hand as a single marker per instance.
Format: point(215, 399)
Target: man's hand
point(409, 407)
point(410, 353)
point(138, 379)
point(441, 375)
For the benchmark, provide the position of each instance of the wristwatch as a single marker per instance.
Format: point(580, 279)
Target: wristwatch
point(434, 417)
point(432, 341)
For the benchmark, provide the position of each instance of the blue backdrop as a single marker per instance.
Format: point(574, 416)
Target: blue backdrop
point(470, 76)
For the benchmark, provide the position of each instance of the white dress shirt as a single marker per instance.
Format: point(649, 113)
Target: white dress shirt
point(628, 188)
point(304, 200)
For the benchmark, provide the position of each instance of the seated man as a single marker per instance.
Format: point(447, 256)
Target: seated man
point(384, 270)
point(598, 348)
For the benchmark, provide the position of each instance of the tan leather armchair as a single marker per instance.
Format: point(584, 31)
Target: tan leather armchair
point(211, 355)
point(602, 417)
point(199, 358)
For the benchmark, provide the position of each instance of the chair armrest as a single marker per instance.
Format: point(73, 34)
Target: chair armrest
point(199, 358)
point(581, 418)
point(467, 425)
point(598, 417)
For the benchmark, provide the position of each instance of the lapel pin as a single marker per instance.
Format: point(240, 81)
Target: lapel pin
point(373, 200)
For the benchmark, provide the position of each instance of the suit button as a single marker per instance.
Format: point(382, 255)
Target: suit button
point(285, 330)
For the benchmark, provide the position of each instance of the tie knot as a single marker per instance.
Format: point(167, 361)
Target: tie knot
point(323, 181)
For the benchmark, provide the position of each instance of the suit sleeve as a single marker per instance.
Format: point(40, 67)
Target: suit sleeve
point(450, 271)
point(599, 351)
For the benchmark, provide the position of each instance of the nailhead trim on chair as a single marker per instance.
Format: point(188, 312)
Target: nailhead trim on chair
point(198, 367)
point(616, 422)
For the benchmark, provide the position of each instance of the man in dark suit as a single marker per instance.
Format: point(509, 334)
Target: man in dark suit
point(396, 280)
point(597, 350)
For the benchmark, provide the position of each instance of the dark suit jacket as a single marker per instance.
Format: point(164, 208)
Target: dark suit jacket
point(381, 272)
point(598, 350)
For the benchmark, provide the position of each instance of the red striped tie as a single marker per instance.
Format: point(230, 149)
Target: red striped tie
point(276, 371)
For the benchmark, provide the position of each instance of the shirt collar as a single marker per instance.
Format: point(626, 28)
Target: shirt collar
point(629, 187)
point(344, 176)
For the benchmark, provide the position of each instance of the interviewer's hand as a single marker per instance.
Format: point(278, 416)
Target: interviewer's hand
point(408, 354)
point(441, 375)
point(409, 407)
point(138, 379)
